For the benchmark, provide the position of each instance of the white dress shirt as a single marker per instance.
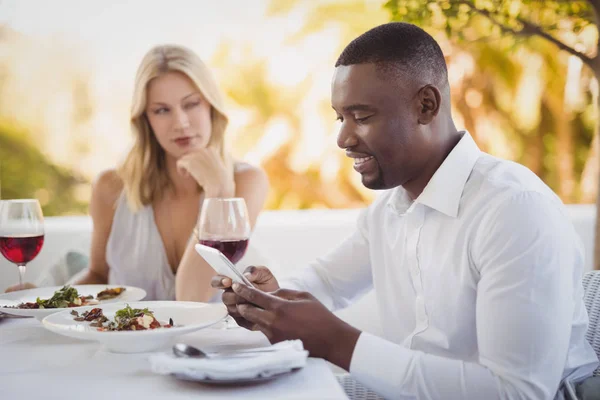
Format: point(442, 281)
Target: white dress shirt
point(478, 283)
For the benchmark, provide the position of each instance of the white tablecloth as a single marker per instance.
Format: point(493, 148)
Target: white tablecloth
point(38, 364)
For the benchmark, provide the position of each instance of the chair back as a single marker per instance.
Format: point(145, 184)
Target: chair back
point(591, 286)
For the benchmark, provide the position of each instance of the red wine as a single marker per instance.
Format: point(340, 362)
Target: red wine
point(232, 249)
point(21, 249)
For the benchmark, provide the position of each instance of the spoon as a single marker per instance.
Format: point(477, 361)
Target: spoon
point(183, 350)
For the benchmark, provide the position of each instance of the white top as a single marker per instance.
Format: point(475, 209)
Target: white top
point(136, 255)
point(478, 282)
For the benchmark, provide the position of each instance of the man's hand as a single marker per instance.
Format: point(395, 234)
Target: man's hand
point(288, 314)
point(261, 278)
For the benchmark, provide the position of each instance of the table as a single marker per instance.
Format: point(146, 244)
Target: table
point(38, 364)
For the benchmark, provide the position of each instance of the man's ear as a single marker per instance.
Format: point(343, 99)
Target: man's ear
point(430, 101)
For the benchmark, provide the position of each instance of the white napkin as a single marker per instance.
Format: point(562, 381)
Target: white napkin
point(288, 355)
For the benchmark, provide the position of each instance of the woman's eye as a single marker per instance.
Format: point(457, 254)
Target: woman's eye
point(161, 110)
point(192, 105)
point(362, 119)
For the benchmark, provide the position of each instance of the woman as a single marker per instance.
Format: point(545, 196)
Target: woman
point(145, 211)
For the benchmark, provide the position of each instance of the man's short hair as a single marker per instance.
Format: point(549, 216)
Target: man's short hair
point(398, 46)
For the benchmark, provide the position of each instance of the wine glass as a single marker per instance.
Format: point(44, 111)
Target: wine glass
point(21, 232)
point(224, 225)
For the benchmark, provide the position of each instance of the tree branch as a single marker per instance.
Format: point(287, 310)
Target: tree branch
point(596, 7)
point(531, 29)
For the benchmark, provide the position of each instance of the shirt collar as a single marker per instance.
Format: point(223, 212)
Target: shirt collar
point(444, 190)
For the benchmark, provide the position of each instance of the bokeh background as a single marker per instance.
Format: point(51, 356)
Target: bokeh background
point(67, 69)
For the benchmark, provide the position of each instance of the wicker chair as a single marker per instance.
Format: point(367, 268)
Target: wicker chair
point(591, 286)
point(356, 391)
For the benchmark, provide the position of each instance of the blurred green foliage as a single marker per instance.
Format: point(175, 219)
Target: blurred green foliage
point(26, 173)
point(456, 17)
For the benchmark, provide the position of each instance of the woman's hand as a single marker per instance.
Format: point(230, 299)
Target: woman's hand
point(16, 287)
point(208, 169)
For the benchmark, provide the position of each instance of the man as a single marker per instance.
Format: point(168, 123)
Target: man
point(476, 267)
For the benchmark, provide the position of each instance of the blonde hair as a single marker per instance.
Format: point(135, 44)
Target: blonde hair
point(144, 172)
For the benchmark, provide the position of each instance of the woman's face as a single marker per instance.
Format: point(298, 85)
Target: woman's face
point(178, 114)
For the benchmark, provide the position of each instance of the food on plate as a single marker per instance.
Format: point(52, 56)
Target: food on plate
point(110, 293)
point(68, 296)
point(65, 297)
point(94, 315)
point(126, 319)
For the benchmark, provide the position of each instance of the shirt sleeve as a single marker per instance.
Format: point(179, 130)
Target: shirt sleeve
point(341, 276)
point(525, 252)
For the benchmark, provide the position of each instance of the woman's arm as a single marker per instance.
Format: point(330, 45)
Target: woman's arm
point(192, 282)
point(105, 194)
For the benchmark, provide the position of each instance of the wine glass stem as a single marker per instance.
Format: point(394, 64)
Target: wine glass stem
point(21, 274)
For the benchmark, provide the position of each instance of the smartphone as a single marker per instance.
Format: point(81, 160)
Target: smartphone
point(221, 264)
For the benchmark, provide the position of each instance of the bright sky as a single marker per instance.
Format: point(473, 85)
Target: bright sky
point(116, 33)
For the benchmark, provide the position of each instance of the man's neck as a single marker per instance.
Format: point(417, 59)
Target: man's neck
point(415, 187)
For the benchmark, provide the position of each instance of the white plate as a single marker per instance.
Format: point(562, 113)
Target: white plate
point(241, 381)
point(30, 295)
point(187, 317)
